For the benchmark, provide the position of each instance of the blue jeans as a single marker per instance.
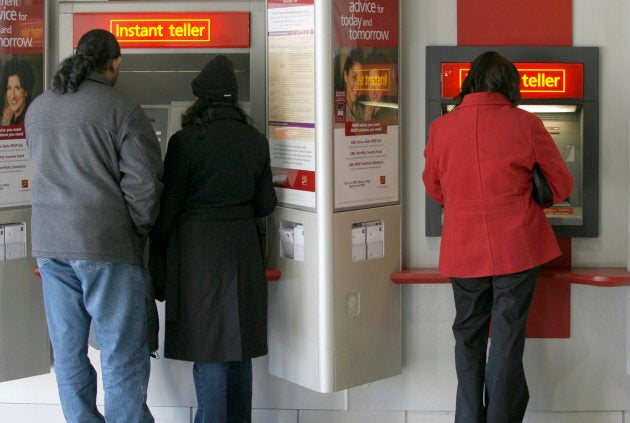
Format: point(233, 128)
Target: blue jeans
point(224, 391)
point(112, 297)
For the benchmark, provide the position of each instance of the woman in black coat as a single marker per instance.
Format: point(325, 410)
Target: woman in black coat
point(206, 256)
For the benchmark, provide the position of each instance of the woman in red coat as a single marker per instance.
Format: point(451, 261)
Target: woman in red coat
point(479, 161)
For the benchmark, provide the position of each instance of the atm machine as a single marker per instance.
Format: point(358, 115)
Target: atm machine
point(561, 86)
point(164, 45)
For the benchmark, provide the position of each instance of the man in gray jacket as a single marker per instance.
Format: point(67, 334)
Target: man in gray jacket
point(96, 192)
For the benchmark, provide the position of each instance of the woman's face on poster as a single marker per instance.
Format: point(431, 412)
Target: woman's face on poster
point(16, 94)
point(351, 78)
point(375, 93)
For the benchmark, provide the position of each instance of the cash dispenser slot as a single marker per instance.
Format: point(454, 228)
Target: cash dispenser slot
point(12, 241)
point(368, 240)
point(292, 240)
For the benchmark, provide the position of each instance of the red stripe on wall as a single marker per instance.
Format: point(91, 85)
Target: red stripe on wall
point(527, 23)
point(514, 23)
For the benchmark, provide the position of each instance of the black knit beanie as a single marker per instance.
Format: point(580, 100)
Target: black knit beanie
point(216, 81)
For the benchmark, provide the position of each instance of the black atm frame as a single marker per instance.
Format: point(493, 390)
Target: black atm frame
point(589, 104)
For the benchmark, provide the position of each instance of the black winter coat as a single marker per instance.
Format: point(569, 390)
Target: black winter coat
point(206, 257)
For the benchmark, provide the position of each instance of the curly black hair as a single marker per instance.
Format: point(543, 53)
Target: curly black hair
point(95, 51)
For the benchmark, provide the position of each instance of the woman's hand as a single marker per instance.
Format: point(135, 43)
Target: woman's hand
point(7, 114)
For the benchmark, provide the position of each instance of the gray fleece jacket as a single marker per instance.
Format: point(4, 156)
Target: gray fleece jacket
point(98, 172)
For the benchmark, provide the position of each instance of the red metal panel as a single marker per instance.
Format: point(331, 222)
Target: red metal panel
point(525, 23)
point(514, 22)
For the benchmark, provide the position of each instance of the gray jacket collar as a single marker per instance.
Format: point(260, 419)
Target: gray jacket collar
point(98, 77)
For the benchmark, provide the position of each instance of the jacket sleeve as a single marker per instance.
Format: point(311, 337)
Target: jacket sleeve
point(265, 199)
point(430, 175)
point(551, 163)
point(176, 175)
point(141, 169)
point(176, 171)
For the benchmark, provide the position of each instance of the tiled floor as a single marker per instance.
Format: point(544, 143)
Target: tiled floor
point(37, 413)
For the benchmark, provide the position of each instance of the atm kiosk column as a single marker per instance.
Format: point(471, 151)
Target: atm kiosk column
point(334, 316)
point(24, 344)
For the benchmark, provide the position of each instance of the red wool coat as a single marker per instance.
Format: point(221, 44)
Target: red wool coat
point(479, 161)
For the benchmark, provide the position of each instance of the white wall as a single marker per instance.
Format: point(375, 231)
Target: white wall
point(605, 24)
point(576, 380)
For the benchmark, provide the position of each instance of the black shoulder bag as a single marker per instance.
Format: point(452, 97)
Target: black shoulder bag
point(541, 191)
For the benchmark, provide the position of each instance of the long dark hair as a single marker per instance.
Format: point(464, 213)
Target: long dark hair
point(201, 112)
point(95, 51)
point(355, 56)
point(491, 72)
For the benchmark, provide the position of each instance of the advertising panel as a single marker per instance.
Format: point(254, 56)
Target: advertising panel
point(22, 62)
point(365, 140)
point(291, 97)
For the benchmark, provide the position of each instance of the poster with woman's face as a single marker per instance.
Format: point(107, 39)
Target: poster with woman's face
point(21, 80)
point(366, 103)
point(366, 83)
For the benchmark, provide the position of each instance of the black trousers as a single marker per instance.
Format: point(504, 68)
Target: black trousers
point(491, 388)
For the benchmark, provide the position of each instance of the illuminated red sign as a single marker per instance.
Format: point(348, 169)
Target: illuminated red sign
point(378, 77)
point(538, 80)
point(164, 30)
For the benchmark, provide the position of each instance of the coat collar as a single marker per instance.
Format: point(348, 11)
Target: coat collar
point(98, 77)
point(224, 112)
point(484, 98)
